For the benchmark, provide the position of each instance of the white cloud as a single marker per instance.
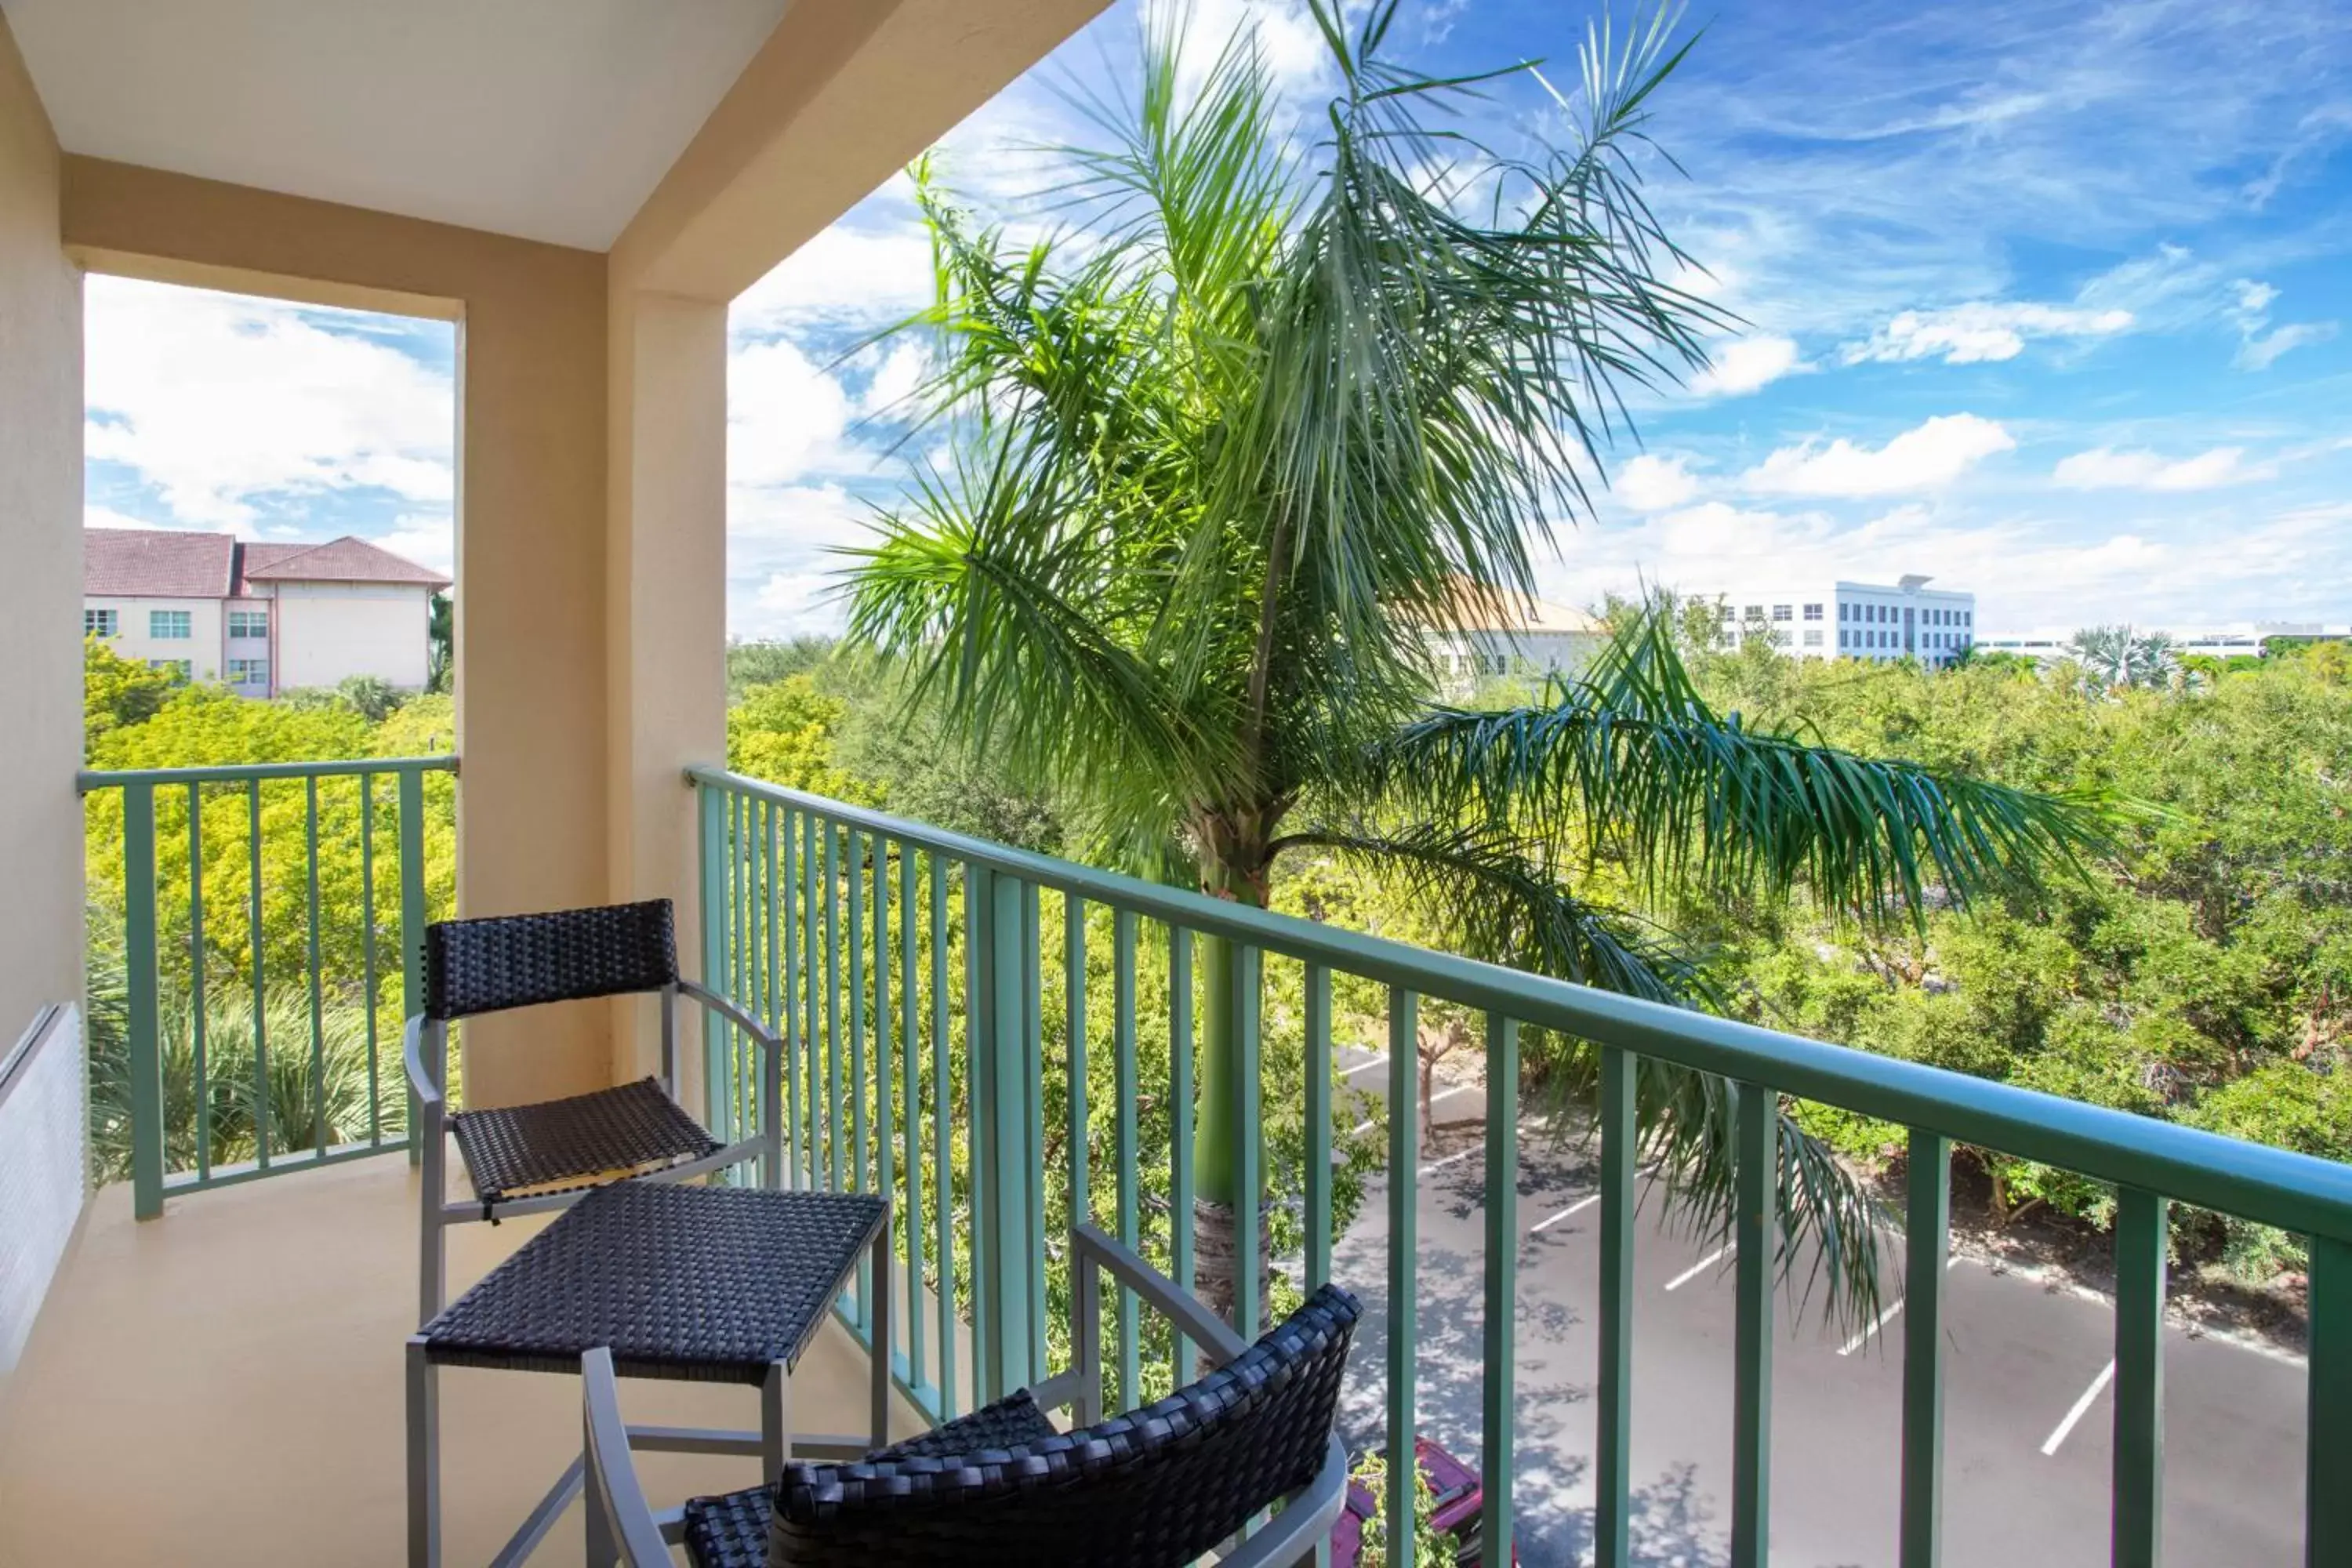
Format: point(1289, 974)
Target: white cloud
point(106, 517)
point(1985, 330)
point(1925, 456)
point(1295, 56)
point(1651, 483)
point(865, 276)
point(787, 419)
point(219, 401)
point(427, 540)
point(2260, 343)
point(1741, 367)
point(2104, 467)
point(2261, 352)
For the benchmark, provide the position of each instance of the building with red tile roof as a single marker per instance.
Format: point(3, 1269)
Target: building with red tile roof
point(262, 618)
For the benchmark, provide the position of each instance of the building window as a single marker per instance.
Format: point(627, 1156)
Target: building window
point(168, 625)
point(249, 623)
point(1842, 635)
point(1730, 615)
point(1813, 637)
point(1754, 611)
point(1779, 612)
point(178, 669)
point(248, 672)
point(101, 622)
point(1812, 612)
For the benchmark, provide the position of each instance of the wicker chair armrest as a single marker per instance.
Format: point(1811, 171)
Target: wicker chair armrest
point(411, 1051)
point(619, 1514)
point(733, 1013)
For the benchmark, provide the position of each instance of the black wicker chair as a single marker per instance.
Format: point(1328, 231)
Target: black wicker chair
point(1159, 1486)
point(523, 1159)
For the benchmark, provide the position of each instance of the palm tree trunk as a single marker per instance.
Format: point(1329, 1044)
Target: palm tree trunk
point(1216, 1148)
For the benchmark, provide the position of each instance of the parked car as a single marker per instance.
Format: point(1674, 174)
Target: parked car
point(1461, 1502)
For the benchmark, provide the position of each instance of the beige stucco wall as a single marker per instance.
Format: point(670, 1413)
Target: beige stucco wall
point(40, 589)
point(133, 637)
point(328, 632)
point(531, 525)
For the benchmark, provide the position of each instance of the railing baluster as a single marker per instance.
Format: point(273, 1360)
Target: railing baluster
point(886, 1176)
point(317, 1003)
point(2327, 1502)
point(710, 835)
point(720, 1092)
point(1319, 1126)
point(409, 818)
point(1073, 1015)
point(1502, 1201)
point(1755, 1227)
point(854, 868)
point(2140, 1236)
point(141, 1004)
point(830, 882)
point(1614, 1408)
point(260, 1024)
point(1006, 1120)
point(1928, 1217)
point(1180, 1127)
point(942, 1146)
point(813, 987)
point(978, 1096)
point(1244, 987)
point(1126, 1088)
point(1033, 1100)
point(197, 1020)
point(367, 952)
point(910, 1086)
point(787, 1022)
point(1404, 1229)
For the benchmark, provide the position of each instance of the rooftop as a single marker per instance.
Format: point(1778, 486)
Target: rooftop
point(171, 564)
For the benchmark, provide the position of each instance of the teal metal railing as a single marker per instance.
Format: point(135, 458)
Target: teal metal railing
point(252, 958)
point(934, 1093)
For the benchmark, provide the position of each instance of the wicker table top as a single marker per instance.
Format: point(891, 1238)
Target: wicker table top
point(699, 1284)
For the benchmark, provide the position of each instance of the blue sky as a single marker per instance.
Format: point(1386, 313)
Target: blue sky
point(2051, 301)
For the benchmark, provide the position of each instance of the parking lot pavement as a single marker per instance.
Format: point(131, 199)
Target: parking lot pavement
point(2028, 1413)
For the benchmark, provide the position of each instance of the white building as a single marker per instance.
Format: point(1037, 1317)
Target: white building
point(259, 618)
point(2244, 639)
point(1509, 637)
point(1838, 619)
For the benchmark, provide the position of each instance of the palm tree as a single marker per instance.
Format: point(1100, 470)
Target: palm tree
point(2119, 657)
point(1221, 464)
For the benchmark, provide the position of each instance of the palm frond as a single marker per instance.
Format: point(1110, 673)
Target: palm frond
point(1631, 757)
point(1492, 896)
point(1495, 900)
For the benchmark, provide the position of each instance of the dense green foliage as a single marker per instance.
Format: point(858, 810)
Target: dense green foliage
point(2205, 975)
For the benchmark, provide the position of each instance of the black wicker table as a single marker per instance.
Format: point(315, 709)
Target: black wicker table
point(695, 1284)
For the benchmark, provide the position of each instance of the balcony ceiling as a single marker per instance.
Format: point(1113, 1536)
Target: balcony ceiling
point(549, 120)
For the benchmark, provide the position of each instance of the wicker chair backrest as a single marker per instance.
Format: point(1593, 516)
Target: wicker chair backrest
point(1157, 1486)
point(497, 962)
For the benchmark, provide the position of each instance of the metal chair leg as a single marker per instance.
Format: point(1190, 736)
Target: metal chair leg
point(775, 1421)
point(880, 1354)
point(424, 1457)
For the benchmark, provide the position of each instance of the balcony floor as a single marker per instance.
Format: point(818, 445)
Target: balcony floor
point(223, 1386)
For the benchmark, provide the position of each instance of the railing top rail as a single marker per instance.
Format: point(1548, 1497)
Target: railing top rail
point(241, 773)
point(2270, 1186)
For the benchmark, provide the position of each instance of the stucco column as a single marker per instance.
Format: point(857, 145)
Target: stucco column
point(666, 615)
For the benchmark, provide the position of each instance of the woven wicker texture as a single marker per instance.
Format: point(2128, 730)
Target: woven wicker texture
point(1157, 1486)
point(520, 960)
point(561, 1145)
point(699, 1284)
point(731, 1531)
